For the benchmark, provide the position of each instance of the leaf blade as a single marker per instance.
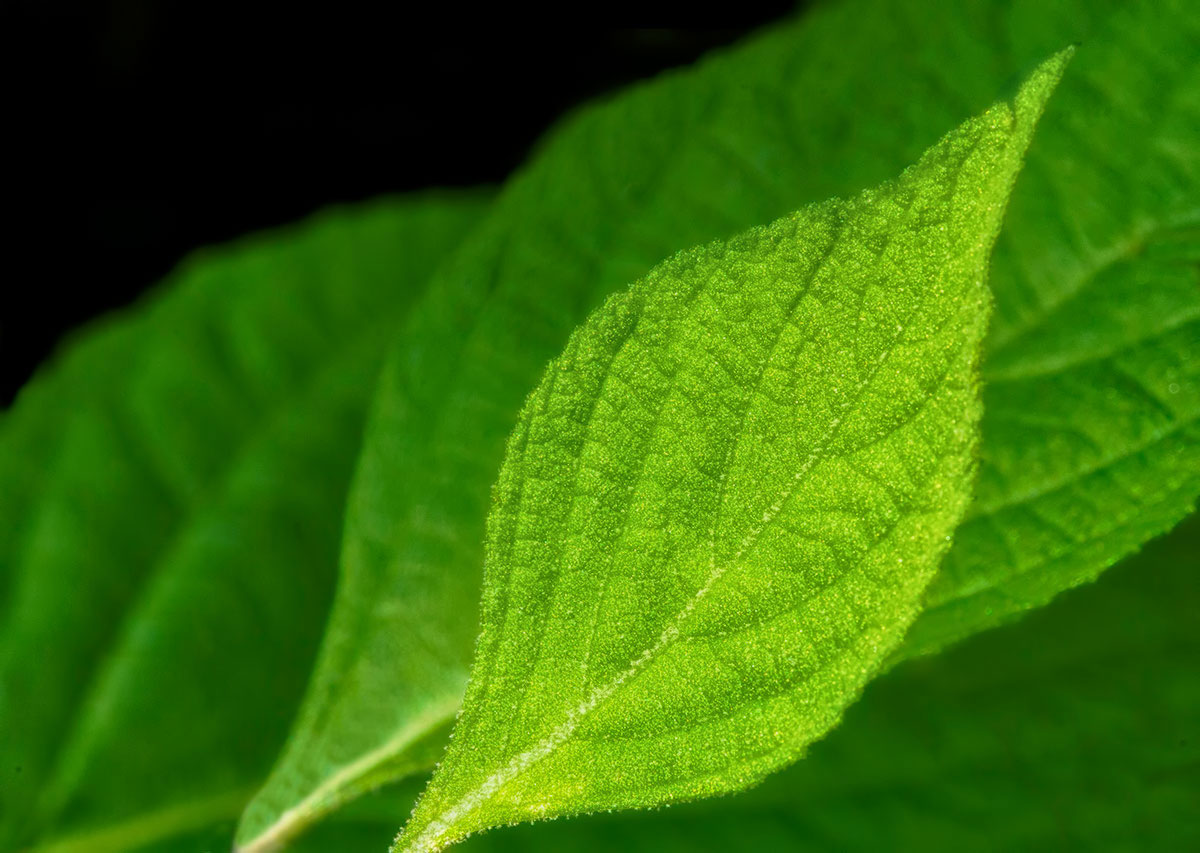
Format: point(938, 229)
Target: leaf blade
point(796, 115)
point(191, 509)
point(1048, 710)
point(774, 365)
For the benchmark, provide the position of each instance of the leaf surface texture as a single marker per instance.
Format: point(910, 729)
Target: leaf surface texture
point(721, 506)
point(1074, 413)
point(1074, 727)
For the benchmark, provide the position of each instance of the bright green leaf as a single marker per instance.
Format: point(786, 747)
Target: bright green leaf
point(794, 116)
point(721, 506)
point(1072, 729)
point(177, 525)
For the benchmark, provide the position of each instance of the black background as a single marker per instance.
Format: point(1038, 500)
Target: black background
point(143, 130)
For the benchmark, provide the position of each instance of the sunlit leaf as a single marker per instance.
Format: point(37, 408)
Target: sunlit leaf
point(793, 116)
point(1073, 728)
point(721, 506)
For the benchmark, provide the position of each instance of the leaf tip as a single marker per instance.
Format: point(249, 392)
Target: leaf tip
point(1035, 92)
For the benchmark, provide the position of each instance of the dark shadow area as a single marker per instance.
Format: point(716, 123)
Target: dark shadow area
point(143, 131)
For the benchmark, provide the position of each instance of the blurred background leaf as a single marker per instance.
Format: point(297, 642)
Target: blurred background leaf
point(173, 542)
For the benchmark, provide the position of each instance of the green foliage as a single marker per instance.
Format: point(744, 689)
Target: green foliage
point(1024, 738)
point(1083, 458)
point(175, 536)
point(172, 489)
point(721, 506)
point(1092, 394)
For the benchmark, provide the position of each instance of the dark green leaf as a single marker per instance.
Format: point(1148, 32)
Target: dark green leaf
point(797, 115)
point(177, 521)
point(1074, 729)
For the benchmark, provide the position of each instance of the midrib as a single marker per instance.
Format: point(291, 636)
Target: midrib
point(432, 834)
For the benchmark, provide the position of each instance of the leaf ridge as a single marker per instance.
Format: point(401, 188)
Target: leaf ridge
point(337, 786)
point(1122, 521)
point(1065, 363)
point(145, 829)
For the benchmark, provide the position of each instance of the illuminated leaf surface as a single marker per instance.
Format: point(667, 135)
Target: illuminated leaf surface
point(794, 116)
point(721, 506)
point(1073, 728)
point(1090, 438)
